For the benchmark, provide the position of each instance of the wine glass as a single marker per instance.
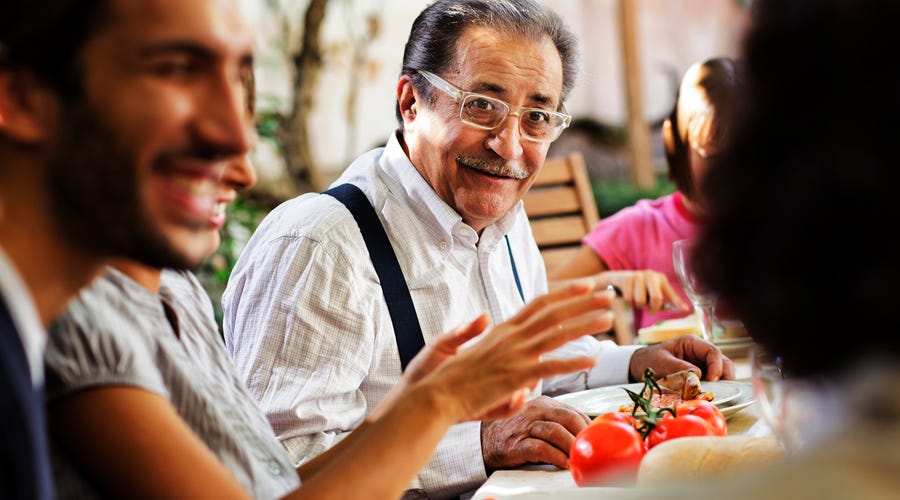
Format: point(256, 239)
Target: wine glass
point(798, 412)
point(703, 299)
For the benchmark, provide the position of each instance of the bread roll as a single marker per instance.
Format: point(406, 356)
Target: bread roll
point(706, 457)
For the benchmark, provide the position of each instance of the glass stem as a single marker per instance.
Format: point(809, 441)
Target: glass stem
point(706, 322)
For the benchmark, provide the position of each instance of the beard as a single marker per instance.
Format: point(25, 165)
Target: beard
point(96, 198)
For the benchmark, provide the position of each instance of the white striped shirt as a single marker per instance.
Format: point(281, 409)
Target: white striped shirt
point(116, 333)
point(307, 324)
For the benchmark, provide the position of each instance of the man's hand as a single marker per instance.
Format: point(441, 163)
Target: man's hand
point(684, 353)
point(541, 433)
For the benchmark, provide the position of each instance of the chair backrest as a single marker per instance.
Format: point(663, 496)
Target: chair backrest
point(561, 207)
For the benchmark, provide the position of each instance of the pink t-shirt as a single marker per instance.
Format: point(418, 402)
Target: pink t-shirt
point(640, 237)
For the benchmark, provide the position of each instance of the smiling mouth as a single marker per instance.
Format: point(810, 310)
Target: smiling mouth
point(495, 169)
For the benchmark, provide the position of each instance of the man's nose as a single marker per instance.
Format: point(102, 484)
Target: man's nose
point(506, 139)
point(221, 120)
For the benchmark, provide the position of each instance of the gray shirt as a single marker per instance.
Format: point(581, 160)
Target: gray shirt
point(118, 333)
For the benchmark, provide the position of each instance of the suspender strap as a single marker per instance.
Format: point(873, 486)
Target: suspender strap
point(512, 263)
point(407, 331)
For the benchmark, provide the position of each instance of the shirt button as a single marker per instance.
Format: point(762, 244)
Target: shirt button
point(444, 245)
point(274, 469)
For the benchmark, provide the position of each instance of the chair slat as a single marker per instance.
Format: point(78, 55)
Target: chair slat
point(558, 230)
point(551, 200)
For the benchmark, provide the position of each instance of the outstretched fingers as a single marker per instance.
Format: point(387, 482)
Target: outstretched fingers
point(451, 341)
point(565, 319)
point(557, 366)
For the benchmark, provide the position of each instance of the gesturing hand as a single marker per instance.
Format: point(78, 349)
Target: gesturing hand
point(491, 377)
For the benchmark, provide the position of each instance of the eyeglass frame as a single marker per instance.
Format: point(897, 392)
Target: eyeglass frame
point(460, 96)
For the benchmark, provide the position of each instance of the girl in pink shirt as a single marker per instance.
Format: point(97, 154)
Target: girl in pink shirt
point(632, 249)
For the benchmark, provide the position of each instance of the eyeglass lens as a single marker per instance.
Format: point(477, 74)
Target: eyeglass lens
point(485, 112)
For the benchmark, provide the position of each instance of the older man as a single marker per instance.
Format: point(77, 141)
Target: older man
point(307, 320)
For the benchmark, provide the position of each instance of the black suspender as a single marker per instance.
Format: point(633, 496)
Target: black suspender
point(407, 330)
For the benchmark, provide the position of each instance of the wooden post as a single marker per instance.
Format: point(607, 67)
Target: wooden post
point(638, 132)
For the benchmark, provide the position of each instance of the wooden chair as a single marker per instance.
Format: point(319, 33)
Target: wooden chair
point(562, 209)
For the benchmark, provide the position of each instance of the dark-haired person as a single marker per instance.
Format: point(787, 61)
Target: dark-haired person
point(815, 154)
point(479, 99)
point(109, 140)
point(640, 237)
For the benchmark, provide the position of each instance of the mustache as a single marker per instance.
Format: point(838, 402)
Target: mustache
point(499, 168)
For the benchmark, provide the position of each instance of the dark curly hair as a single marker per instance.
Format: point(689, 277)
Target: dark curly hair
point(802, 203)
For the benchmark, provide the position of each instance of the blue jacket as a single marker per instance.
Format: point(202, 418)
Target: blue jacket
point(24, 457)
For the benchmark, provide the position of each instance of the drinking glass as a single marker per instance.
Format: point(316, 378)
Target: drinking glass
point(703, 299)
point(798, 411)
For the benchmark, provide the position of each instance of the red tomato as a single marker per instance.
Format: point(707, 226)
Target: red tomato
point(671, 428)
point(616, 416)
point(707, 411)
point(605, 453)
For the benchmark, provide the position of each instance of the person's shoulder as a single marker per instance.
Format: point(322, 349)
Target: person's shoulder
point(181, 284)
point(653, 206)
point(110, 292)
point(110, 301)
point(310, 215)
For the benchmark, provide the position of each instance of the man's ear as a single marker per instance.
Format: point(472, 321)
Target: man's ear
point(406, 98)
point(27, 107)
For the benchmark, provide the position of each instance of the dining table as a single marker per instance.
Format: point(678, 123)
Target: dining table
point(547, 481)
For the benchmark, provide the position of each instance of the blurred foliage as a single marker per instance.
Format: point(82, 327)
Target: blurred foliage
point(612, 195)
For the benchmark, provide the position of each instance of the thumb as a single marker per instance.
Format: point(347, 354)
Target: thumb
point(451, 341)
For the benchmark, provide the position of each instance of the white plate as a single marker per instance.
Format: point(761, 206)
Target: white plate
point(744, 399)
point(593, 402)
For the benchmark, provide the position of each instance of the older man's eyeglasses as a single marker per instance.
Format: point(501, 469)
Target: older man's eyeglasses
point(487, 113)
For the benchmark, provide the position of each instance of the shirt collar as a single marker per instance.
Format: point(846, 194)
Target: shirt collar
point(403, 179)
point(25, 316)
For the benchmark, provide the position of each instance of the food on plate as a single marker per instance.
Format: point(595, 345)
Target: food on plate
point(686, 383)
point(689, 325)
point(669, 329)
point(609, 451)
point(606, 453)
point(692, 417)
point(699, 458)
point(673, 389)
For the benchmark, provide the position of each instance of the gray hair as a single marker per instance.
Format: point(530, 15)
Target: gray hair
point(438, 28)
